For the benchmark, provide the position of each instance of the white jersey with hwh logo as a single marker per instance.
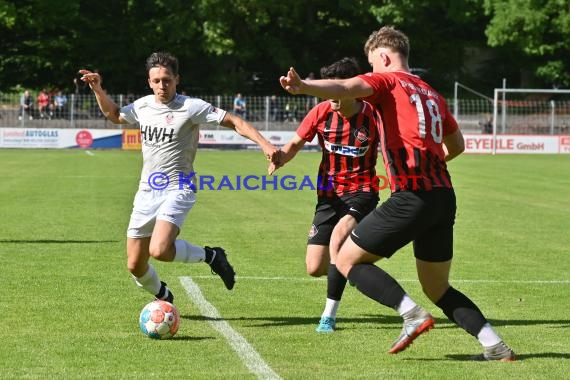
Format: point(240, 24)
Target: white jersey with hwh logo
point(169, 134)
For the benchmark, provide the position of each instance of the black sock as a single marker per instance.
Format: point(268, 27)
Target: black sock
point(209, 254)
point(163, 292)
point(462, 311)
point(335, 283)
point(377, 284)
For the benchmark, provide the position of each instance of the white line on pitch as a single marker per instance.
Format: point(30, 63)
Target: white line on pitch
point(311, 279)
point(89, 153)
point(252, 360)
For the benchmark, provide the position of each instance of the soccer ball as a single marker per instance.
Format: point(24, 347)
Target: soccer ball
point(159, 320)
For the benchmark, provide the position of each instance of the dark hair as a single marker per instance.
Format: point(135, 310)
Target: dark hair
point(342, 69)
point(162, 59)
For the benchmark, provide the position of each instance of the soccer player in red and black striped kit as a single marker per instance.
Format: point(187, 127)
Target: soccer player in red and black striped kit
point(347, 190)
point(418, 136)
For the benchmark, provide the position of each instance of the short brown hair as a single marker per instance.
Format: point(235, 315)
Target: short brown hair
point(388, 37)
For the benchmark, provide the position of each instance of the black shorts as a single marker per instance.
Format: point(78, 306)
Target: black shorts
point(330, 210)
point(425, 218)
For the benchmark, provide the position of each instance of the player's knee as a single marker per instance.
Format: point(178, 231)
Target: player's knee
point(315, 273)
point(136, 267)
point(158, 250)
point(316, 270)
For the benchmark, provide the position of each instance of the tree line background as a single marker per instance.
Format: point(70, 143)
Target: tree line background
point(226, 46)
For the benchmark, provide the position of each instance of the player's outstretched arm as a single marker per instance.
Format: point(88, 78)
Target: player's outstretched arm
point(108, 107)
point(326, 88)
point(248, 131)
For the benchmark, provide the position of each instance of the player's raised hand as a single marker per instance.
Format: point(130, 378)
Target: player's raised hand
point(292, 82)
point(92, 79)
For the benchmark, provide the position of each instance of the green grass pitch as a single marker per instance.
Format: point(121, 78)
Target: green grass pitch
point(69, 308)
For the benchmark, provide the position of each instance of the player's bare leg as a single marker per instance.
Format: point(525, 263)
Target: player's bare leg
point(143, 273)
point(317, 260)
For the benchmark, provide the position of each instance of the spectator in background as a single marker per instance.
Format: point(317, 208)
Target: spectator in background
point(487, 125)
point(274, 111)
point(43, 104)
point(59, 105)
point(26, 106)
point(291, 110)
point(240, 106)
point(130, 98)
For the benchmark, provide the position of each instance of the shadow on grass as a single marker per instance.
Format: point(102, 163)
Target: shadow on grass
point(387, 321)
point(55, 241)
point(299, 321)
point(392, 322)
point(529, 322)
point(191, 338)
point(548, 355)
point(442, 323)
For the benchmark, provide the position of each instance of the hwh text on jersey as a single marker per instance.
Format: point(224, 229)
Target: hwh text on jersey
point(156, 134)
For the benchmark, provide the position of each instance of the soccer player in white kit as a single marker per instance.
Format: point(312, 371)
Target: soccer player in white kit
point(169, 125)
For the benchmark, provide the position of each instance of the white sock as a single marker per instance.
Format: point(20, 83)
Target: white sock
point(406, 305)
point(188, 253)
point(331, 307)
point(149, 281)
point(487, 336)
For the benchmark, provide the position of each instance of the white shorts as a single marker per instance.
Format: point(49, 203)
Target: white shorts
point(152, 205)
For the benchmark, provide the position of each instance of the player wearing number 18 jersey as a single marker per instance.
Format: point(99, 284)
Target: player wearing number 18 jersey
point(418, 136)
point(413, 159)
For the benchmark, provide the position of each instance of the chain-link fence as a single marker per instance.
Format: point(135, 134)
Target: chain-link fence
point(82, 111)
point(280, 113)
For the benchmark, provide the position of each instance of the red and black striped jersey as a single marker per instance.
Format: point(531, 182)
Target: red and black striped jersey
point(349, 148)
point(415, 118)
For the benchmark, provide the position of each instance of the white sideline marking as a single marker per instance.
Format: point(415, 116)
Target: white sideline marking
point(89, 153)
point(252, 360)
point(311, 279)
